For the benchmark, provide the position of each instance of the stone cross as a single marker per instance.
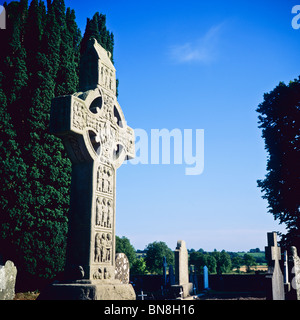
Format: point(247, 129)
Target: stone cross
point(142, 295)
point(275, 287)
point(98, 140)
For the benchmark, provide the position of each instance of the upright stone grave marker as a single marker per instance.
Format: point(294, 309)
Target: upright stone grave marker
point(296, 272)
point(205, 278)
point(182, 271)
point(171, 275)
point(286, 283)
point(274, 277)
point(165, 266)
point(98, 140)
point(8, 274)
point(122, 271)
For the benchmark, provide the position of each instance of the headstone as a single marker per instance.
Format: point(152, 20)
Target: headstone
point(8, 274)
point(296, 272)
point(122, 271)
point(165, 266)
point(274, 277)
point(193, 278)
point(98, 140)
point(286, 283)
point(182, 270)
point(205, 278)
point(171, 275)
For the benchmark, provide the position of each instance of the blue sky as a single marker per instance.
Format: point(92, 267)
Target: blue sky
point(198, 65)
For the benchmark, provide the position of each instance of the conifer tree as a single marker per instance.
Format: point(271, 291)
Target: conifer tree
point(39, 59)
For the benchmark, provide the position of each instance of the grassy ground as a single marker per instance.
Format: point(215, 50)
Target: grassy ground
point(26, 295)
point(222, 295)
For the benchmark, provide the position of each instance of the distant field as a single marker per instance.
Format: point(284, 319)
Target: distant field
point(253, 268)
point(256, 255)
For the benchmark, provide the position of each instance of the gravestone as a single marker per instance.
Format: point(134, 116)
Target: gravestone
point(93, 129)
point(182, 283)
point(274, 277)
point(296, 273)
point(171, 275)
point(286, 283)
point(8, 274)
point(165, 266)
point(122, 270)
point(205, 278)
point(193, 279)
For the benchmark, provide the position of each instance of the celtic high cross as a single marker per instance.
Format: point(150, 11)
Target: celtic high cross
point(98, 140)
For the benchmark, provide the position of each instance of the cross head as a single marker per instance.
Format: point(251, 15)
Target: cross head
point(272, 251)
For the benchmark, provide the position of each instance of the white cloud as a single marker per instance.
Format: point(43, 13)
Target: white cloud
point(203, 50)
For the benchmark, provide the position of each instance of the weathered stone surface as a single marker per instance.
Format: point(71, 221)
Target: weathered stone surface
point(296, 272)
point(8, 274)
point(88, 290)
point(122, 271)
point(97, 139)
point(181, 263)
point(274, 277)
point(182, 283)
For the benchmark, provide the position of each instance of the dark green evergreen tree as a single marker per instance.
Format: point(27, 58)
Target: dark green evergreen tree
point(39, 59)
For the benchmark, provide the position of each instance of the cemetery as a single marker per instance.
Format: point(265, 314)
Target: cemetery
point(78, 254)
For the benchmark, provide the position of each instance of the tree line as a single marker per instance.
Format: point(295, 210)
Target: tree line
point(151, 261)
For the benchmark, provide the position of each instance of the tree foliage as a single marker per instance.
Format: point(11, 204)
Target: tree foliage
point(155, 252)
point(200, 259)
point(249, 261)
point(39, 59)
point(279, 119)
point(123, 245)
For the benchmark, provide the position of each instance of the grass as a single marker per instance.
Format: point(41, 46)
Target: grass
point(26, 295)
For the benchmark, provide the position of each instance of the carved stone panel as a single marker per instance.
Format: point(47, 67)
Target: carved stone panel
point(103, 247)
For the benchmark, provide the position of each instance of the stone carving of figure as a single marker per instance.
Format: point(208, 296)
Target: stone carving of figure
point(103, 248)
point(109, 179)
point(99, 179)
point(108, 244)
point(109, 214)
point(105, 181)
point(98, 211)
point(98, 248)
point(106, 274)
point(104, 214)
